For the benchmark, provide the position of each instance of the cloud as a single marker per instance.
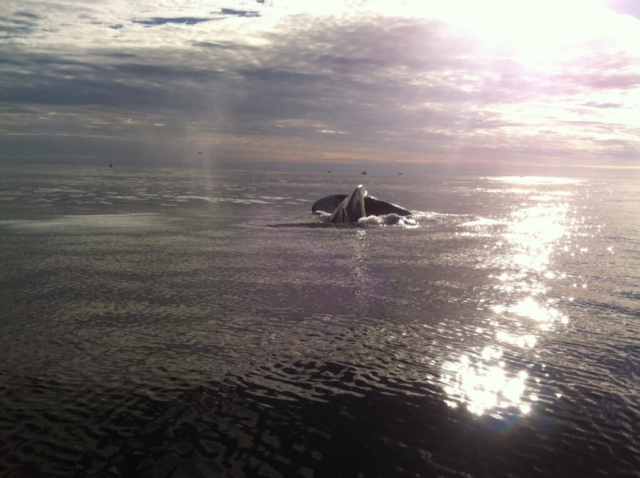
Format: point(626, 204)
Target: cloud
point(27, 15)
point(240, 13)
point(164, 21)
point(266, 83)
point(602, 105)
point(627, 7)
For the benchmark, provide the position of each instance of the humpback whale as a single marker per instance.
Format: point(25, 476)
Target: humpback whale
point(358, 204)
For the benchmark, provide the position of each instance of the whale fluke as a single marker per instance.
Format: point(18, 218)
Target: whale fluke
point(328, 204)
point(349, 210)
point(376, 207)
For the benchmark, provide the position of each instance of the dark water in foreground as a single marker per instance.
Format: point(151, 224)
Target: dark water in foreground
point(159, 323)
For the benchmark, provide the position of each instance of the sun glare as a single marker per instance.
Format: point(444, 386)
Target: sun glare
point(529, 30)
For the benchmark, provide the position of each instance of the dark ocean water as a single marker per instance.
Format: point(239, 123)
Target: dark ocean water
point(186, 324)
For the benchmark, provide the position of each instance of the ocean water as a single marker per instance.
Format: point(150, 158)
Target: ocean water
point(176, 323)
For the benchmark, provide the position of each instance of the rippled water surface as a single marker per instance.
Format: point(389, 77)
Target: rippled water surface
point(166, 323)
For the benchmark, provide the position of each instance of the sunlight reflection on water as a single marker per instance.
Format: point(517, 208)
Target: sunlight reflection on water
point(486, 382)
point(483, 386)
point(535, 180)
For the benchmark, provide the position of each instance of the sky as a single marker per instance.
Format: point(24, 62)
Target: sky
point(359, 82)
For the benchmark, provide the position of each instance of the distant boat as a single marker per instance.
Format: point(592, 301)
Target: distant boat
point(111, 165)
point(363, 172)
point(399, 174)
point(329, 172)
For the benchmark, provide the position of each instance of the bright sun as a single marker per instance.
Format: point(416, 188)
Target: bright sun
point(534, 30)
point(531, 30)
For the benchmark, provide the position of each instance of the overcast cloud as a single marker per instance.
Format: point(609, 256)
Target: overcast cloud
point(541, 83)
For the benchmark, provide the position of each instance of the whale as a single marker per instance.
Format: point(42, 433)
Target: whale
point(349, 208)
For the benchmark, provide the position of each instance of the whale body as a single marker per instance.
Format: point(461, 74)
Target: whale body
point(344, 209)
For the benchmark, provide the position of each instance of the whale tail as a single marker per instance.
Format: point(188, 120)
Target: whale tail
point(351, 208)
point(343, 208)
